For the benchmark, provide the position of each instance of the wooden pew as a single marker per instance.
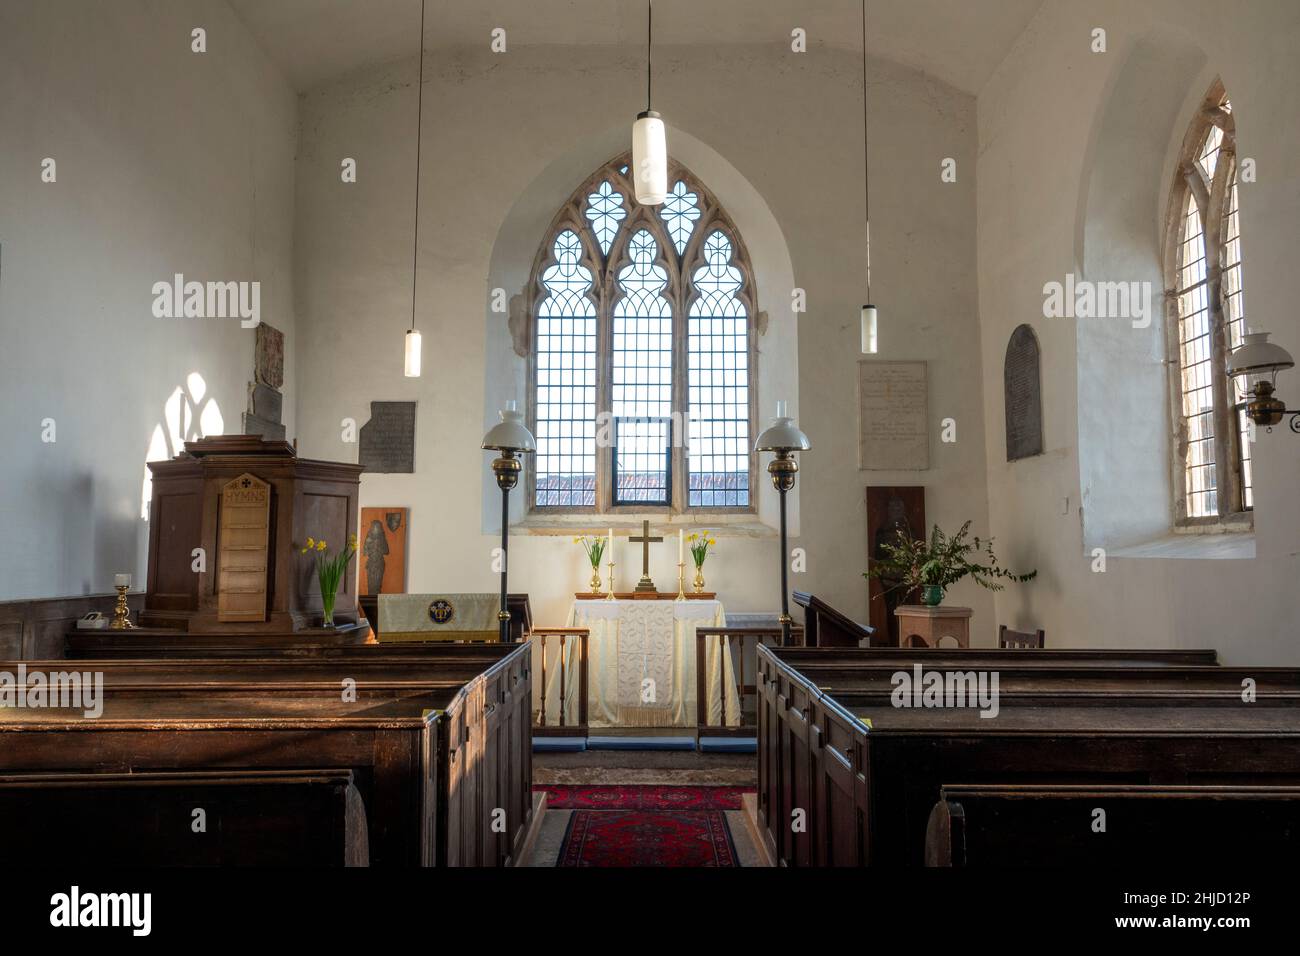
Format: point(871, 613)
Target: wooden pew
point(866, 795)
point(478, 744)
point(251, 818)
point(1033, 825)
point(973, 656)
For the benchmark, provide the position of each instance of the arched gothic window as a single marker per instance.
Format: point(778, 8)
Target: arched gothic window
point(641, 371)
point(1212, 469)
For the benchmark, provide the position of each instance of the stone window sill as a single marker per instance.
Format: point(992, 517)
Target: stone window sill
point(1237, 545)
point(728, 525)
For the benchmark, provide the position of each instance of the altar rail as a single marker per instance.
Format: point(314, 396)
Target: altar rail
point(571, 640)
point(741, 636)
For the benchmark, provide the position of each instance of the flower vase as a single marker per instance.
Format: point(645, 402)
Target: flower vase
point(327, 609)
point(932, 595)
point(698, 583)
point(595, 582)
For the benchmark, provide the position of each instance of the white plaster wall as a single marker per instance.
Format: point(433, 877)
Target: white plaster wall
point(167, 161)
point(496, 127)
point(1047, 148)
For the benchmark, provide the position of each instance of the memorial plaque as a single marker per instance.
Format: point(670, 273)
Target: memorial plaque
point(1023, 395)
point(242, 548)
point(383, 550)
point(268, 363)
point(388, 439)
point(893, 416)
point(265, 402)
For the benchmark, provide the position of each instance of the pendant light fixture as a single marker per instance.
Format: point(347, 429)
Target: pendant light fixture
point(869, 341)
point(413, 341)
point(649, 145)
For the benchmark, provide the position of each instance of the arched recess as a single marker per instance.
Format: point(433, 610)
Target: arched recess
point(531, 218)
point(1121, 384)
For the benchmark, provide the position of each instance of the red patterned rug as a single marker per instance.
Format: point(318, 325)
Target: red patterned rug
point(641, 797)
point(641, 825)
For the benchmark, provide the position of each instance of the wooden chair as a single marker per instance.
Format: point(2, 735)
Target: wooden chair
point(1032, 640)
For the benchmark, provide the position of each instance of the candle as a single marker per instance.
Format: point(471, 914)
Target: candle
point(610, 547)
point(780, 409)
point(681, 545)
point(121, 580)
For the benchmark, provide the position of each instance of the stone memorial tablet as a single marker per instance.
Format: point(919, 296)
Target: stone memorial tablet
point(1023, 395)
point(269, 362)
point(388, 439)
point(893, 416)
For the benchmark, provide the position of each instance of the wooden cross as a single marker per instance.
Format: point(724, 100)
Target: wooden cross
point(645, 584)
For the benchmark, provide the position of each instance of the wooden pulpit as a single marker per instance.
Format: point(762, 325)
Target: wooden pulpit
point(227, 521)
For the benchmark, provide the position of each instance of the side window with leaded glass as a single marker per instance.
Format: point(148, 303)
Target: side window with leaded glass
point(1204, 259)
point(642, 358)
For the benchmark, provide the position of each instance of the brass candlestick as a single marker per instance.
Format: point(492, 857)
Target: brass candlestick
point(121, 613)
point(610, 595)
point(681, 580)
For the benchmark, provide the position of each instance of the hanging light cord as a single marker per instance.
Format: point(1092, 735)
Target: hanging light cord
point(419, 130)
point(866, 164)
point(649, 47)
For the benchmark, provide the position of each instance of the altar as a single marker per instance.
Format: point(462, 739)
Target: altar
point(641, 664)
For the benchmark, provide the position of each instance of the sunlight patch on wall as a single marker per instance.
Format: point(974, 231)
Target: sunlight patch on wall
point(190, 413)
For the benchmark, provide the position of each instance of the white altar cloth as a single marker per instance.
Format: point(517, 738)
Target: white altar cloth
point(641, 664)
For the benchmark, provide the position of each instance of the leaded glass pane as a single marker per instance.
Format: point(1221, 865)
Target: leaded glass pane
point(718, 382)
point(605, 212)
point(642, 372)
point(679, 212)
point(565, 400)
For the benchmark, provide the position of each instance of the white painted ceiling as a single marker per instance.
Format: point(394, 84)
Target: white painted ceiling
point(958, 41)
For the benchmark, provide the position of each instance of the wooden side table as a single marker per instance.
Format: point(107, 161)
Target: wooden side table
point(921, 626)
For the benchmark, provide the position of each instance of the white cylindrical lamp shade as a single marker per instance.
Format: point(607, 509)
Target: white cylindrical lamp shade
point(412, 354)
point(869, 341)
point(649, 159)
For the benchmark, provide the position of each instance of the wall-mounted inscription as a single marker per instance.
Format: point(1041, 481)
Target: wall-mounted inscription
point(242, 542)
point(1023, 395)
point(893, 416)
point(388, 439)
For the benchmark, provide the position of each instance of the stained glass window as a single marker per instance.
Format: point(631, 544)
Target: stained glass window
point(1208, 294)
point(641, 354)
point(565, 397)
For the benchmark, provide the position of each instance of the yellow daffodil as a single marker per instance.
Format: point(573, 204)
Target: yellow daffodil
point(321, 546)
point(311, 543)
point(303, 551)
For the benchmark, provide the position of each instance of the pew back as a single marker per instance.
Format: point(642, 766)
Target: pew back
point(249, 818)
point(1057, 825)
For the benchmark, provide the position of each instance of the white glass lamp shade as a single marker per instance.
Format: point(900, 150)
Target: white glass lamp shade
point(510, 434)
point(782, 434)
point(869, 342)
point(1258, 358)
point(649, 159)
point(412, 354)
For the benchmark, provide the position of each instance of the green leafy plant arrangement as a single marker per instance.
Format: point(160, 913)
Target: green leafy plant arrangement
point(933, 565)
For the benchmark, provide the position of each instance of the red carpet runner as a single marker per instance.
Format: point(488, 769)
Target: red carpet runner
point(646, 825)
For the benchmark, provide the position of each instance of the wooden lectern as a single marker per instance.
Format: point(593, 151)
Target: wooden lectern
point(250, 506)
point(826, 627)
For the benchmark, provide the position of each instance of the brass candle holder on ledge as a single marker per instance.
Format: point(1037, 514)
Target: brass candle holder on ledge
point(121, 613)
point(610, 596)
point(681, 580)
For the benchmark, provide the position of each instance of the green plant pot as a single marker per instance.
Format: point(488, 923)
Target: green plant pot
point(932, 595)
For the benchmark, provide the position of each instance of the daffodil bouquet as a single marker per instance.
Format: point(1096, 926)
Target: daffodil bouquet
point(595, 548)
point(329, 572)
point(700, 544)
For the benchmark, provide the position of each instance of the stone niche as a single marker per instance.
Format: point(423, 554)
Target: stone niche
point(250, 505)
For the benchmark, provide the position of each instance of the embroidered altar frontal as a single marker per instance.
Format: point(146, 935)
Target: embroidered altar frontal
point(438, 617)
